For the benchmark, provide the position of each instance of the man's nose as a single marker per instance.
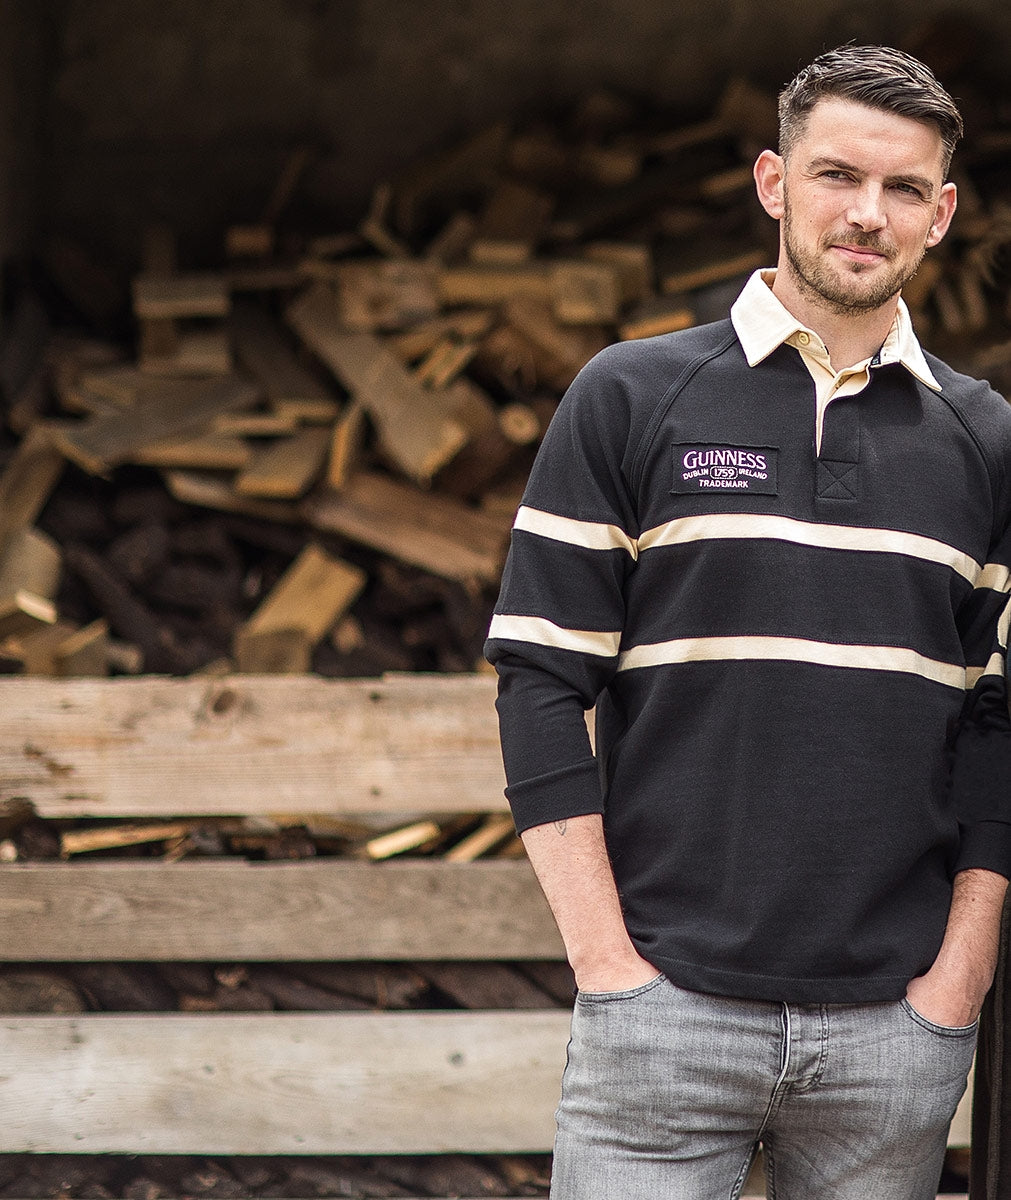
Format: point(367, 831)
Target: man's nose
point(867, 210)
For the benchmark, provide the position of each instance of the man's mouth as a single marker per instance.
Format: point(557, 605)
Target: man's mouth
point(864, 255)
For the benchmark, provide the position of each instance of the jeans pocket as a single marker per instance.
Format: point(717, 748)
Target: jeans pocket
point(628, 994)
point(948, 1031)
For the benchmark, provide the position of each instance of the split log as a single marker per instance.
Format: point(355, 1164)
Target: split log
point(488, 449)
point(306, 602)
point(285, 469)
point(209, 490)
point(430, 531)
point(413, 425)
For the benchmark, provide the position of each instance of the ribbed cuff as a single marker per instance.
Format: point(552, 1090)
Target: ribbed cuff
point(573, 791)
point(985, 845)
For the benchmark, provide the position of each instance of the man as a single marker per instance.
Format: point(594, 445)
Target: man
point(773, 552)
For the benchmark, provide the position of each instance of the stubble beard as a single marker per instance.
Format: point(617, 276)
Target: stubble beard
point(836, 292)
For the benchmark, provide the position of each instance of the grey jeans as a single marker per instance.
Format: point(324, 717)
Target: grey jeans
point(667, 1095)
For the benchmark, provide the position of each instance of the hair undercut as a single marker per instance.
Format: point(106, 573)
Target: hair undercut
point(878, 76)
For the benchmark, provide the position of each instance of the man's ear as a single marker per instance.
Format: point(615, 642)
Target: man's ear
point(946, 203)
point(769, 174)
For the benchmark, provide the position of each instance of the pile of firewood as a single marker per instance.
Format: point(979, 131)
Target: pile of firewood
point(309, 458)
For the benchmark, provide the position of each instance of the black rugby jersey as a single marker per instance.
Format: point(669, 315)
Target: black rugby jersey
point(796, 656)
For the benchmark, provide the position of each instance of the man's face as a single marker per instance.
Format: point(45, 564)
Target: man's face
point(861, 199)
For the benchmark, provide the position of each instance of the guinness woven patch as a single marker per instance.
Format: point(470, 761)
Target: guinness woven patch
point(705, 467)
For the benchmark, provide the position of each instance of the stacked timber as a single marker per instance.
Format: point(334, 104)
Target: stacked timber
point(310, 457)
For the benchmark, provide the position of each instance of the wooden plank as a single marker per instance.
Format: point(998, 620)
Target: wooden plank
point(164, 408)
point(251, 744)
point(285, 469)
point(316, 1083)
point(415, 426)
point(434, 532)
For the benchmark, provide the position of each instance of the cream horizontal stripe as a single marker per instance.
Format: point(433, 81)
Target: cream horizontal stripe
point(825, 654)
point(996, 576)
point(994, 667)
point(807, 533)
point(543, 632)
point(591, 535)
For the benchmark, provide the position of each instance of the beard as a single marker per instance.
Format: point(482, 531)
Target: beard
point(844, 292)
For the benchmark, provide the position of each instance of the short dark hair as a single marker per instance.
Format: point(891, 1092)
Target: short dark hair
point(878, 76)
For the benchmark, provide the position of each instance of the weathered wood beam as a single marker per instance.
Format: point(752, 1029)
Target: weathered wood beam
point(336, 910)
point(296, 1083)
point(251, 743)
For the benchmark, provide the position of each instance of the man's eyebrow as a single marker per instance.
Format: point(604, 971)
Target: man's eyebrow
point(917, 181)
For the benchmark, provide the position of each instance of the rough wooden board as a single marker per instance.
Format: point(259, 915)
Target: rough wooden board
point(157, 297)
point(414, 426)
point(285, 469)
point(251, 744)
point(291, 1083)
point(164, 408)
point(263, 350)
point(426, 530)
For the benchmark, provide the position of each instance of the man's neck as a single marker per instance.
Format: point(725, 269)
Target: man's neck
point(850, 337)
